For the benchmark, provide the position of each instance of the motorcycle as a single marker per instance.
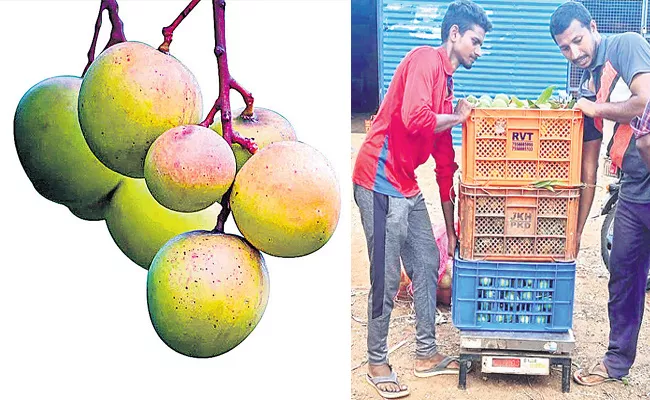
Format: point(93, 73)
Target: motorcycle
point(609, 210)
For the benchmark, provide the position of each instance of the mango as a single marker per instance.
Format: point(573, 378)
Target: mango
point(52, 149)
point(140, 226)
point(206, 292)
point(499, 103)
point(503, 97)
point(484, 103)
point(265, 127)
point(286, 200)
point(95, 211)
point(189, 168)
point(131, 94)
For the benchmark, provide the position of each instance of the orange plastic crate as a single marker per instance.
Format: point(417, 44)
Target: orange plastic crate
point(518, 224)
point(515, 147)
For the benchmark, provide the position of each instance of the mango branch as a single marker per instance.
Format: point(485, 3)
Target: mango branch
point(248, 98)
point(168, 31)
point(222, 104)
point(117, 29)
point(227, 81)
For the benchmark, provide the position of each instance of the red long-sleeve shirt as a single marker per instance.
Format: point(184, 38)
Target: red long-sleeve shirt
point(402, 136)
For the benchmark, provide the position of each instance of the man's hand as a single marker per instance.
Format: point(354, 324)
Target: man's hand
point(452, 241)
point(578, 237)
point(463, 109)
point(587, 107)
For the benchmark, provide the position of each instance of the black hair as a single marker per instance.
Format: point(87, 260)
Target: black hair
point(465, 14)
point(564, 15)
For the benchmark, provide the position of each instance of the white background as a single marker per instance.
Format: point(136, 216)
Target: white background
point(74, 320)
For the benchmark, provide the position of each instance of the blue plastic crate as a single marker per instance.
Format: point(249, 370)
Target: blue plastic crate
point(513, 296)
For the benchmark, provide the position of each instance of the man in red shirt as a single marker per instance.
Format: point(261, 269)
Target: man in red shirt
point(414, 122)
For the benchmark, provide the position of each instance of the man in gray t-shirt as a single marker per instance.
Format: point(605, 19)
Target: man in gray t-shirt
point(615, 88)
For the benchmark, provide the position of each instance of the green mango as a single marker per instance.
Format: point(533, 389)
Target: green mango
point(53, 152)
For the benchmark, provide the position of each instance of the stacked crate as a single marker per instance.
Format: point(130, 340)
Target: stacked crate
point(518, 211)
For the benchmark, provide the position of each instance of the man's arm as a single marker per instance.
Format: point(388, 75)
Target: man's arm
point(461, 113)
point(622, 111)
point(444, 155)
point(452, 239)
point(447, 121)
point(630, 57)
point(422, 95)
point(641, 128)
point(590, 156)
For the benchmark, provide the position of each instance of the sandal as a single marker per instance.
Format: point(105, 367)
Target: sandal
point(441, 369)
point(392, 378)
point(597, 370)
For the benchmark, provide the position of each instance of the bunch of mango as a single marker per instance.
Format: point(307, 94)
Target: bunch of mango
point(545, 101)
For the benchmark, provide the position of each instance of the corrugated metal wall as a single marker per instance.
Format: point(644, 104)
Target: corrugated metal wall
point(613, 16)
point(519, 55)
point(365, 80)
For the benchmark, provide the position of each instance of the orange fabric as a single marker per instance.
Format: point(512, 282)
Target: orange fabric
point(622, 139)
point(623, 133)
point(606, 79)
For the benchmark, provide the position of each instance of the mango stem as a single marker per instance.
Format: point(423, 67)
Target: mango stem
point(225, 211)
point(248, 99)
point(117, 29)
point(222, 104)
point(168, 31)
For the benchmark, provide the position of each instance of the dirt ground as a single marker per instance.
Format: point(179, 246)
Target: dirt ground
point(590, 324)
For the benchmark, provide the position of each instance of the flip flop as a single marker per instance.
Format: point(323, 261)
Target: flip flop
point(595, 370)
point(440, 369)
point(392, 378)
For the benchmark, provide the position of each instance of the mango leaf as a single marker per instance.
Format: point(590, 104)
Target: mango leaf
point(546, 184)
point(571, 103)
point(531, 104)
point(514, 99)
point(539, 184)
point(555, 104)
point(546, 94)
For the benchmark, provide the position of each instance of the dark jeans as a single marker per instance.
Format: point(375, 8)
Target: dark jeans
point(629, 263)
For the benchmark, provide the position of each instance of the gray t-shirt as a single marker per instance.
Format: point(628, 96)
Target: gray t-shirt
point(629, 55)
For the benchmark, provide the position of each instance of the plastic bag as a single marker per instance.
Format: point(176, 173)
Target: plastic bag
point(440, 234)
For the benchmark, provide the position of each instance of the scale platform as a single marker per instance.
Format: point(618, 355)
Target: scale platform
point(525, 353)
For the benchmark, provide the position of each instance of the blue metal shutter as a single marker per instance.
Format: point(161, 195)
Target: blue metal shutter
point(612, 16)
point(519, 55)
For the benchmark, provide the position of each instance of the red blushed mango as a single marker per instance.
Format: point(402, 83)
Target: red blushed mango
point(286, 200)
point(131, 94)
point(206, 292)
point(264, 128)
point(189, 168)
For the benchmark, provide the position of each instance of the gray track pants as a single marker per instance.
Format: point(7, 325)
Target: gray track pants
point(399, 228)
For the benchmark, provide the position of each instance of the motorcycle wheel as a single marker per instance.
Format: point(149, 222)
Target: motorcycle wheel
point(606, 233)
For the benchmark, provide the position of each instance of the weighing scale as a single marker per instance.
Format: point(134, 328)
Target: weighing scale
point(523, 353)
